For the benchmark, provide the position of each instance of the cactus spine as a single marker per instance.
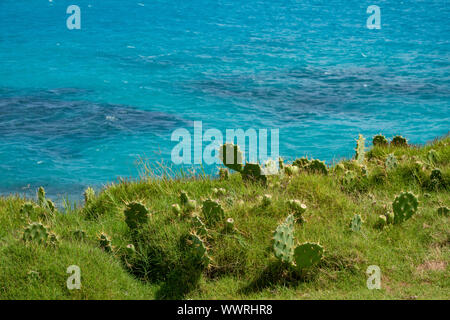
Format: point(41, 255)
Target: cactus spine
point(283, 240)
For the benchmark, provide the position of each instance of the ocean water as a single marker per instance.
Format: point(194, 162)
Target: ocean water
point(79, 107)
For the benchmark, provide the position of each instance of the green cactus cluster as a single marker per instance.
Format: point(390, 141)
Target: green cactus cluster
point(136, 214)
point(317, 166)
point(232, 157)
point(104, 242)
point(380, 140)
point(46, 204)
point(404, 206)
point(399, 141)
point(212, 212)
point(301, 256)
point(36, 232)
point(301, 163)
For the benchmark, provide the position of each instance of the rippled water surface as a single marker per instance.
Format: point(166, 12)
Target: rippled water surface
point(78, 107)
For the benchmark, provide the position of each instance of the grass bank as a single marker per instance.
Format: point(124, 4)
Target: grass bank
point(141, 240)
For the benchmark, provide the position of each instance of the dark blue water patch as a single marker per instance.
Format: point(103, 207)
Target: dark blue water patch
point(43, 119)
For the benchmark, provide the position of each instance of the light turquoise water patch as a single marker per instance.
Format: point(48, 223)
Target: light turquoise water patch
point(77, 107)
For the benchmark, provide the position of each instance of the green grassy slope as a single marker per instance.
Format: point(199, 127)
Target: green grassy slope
point(413, 256)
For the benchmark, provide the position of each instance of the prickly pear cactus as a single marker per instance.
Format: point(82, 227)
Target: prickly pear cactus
point(50, 206)
point(190, 205)
point(136, 214)
point(307, 254)
point(380, 140)
point(283, 240)
point(356, 223)
point(212, 212)
point(231, 156)
point(301, 163)
point(183, 198)
point(360, 149)
point(199, 249)
point(317, 166)
point(41, 197)
point(253, 172)
point(89, 195)
point(105, 242)
point(349, 178)
point(399, 141)
point(297, 207)
point(443, 211)
point(199, 226)
point(28, 208)
point(391, 162)
point(224, 174)
point(36, 232)
point(404, 206)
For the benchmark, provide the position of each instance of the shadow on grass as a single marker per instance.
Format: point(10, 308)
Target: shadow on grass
point(277, 274)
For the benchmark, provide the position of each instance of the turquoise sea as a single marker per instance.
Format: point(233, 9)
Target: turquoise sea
point(78, 107)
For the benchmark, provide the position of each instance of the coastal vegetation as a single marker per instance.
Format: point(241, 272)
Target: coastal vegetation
point(310, 231)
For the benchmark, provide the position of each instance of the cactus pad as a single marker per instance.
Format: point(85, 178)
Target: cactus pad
point(231, 156)
point(307, 255)
point(212, 212)
point(404, 206)
point(36, 232)
point(136, 214)
point(253, 172)
point(198, 249)
point(283, 240)
point(399, 141)
point(356, 223)
point(380, 140)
